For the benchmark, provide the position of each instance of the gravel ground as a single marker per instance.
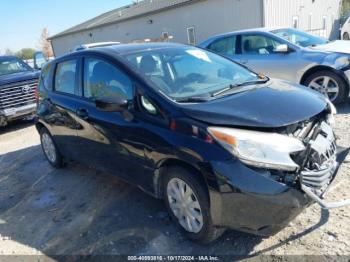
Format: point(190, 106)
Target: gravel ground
point(81, 211)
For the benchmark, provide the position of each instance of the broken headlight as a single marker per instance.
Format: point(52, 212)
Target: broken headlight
point(259, 149)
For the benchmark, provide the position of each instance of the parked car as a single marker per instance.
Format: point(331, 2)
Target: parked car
point(18, 83)
point(292, 55)
point(94, 45)
point(223, 146)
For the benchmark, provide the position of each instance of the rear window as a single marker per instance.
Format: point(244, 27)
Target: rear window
point(65, 80)
point(225, 46)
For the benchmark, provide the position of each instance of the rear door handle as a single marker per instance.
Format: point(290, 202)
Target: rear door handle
point(83, 113)
point(244, 61)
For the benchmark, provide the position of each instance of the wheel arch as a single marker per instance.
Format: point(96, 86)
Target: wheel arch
point(163, 167)
point(318, 68)
point(39, 126)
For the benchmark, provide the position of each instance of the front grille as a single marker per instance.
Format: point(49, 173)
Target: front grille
point(17, 95)
point(320, 165)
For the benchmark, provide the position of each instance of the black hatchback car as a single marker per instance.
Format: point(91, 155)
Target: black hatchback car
point(224, 147)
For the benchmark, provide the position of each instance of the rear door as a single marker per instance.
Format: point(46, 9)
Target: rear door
point(61, 107)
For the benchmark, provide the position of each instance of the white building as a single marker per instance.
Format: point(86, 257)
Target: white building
point(192, 21)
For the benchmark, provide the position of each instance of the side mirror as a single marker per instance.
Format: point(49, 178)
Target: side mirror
point(282, 49)
point(39, 60)
point(111, 104)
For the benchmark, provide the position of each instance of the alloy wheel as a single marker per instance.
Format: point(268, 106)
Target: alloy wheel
point(49, 147)
point(327, 86)
point(184, 204)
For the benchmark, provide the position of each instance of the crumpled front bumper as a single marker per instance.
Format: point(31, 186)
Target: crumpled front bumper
point(250, 200)
point(321, 177)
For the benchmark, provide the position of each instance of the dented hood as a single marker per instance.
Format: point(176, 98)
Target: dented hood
point(19, 77)
point(276, 104)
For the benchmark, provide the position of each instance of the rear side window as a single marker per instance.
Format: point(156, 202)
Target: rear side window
point(103, 79)
point(225, 46)
point(65, 80)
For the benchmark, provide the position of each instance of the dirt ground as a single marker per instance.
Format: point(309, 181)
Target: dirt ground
point(81, 211)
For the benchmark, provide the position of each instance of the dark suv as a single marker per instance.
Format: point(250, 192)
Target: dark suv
point(18, 89)
point(223, 146)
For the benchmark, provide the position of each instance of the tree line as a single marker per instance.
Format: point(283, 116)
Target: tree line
point(28, 53)
point(345, 7)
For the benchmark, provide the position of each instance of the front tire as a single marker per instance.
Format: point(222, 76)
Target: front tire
point(50, 149)
point(188, 204)
point(346, 36)
point(330, 84)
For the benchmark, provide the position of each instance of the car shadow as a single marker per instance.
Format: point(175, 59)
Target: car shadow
point(344, 108)
point(80, 211)
point(16, 125)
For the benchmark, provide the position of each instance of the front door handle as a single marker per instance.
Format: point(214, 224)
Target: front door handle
point(83, 113)
point(244, 61)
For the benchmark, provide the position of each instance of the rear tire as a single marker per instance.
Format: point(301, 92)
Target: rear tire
point(330, 84)
point(197, 203)
point(346, 36)
point(50, 149)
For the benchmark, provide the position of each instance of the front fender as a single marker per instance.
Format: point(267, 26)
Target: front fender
point(319, 61)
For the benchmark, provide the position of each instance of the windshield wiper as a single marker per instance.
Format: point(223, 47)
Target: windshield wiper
point(193, 99)
point(231, 87)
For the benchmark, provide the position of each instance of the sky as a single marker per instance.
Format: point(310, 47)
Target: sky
point(21, 21)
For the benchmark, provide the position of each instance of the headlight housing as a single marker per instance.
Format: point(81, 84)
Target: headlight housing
point(342, 62)
point(259, 149)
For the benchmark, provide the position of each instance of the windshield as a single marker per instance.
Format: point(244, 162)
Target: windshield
point(184, 72)
point(12, 65)
point(300, 38)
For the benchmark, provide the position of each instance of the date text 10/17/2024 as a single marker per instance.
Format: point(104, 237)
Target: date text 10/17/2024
point(173, 258)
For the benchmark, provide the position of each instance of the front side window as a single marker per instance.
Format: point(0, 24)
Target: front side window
point(65, 80)
point(300, 38)
point(12, 65)
point(102, 79)
point(187, 71)
point(225, 46)
point(258, 45)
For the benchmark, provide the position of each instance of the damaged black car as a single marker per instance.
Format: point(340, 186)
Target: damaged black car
point(223, 146)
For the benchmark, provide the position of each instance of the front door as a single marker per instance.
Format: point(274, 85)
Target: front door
point(110, 141)
point(257, 52)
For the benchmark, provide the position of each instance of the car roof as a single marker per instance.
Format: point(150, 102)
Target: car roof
point(99, 44)
point(251, 30)
point(259, 29)
point(123, 49)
